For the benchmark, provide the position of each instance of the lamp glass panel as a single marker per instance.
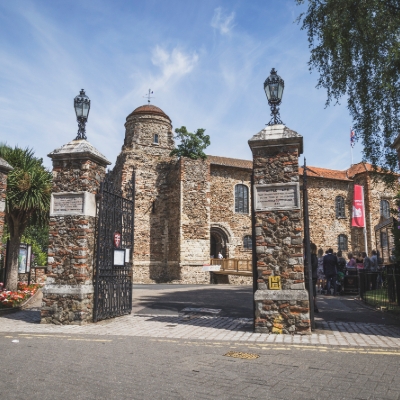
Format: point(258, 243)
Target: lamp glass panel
point(78, 109)
point(85, 109)
point(280, 91)
point(266, 88)
point(273, 87)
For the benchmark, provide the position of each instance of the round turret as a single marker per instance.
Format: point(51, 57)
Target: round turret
point(148, 125)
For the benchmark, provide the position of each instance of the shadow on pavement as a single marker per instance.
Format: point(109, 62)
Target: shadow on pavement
point(233, 301)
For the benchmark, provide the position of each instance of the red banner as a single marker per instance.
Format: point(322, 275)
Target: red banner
point(358, 217)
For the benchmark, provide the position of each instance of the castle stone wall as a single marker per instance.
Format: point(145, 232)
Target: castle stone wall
point(223, 182)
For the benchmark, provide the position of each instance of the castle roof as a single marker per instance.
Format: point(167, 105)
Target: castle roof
point(313, 172)
point(149, 109)
point(230, 162)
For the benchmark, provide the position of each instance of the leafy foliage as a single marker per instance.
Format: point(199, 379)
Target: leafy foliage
point(355, 47)
point(396, 232)
point(191, 144)
point(27, 201)
point(28, 189)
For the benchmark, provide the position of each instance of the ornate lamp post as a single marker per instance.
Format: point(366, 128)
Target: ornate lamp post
point(82, 107)
point(273, 87)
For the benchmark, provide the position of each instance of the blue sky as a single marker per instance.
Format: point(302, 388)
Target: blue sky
point(206, 62)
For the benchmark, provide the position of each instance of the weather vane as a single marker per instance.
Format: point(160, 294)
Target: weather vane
point(149, 96)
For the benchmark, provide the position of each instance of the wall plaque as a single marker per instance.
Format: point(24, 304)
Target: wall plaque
point(68, 204)
point(277, 196)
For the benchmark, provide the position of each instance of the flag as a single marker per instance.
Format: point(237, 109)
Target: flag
point(352, 137)
point(358, 215)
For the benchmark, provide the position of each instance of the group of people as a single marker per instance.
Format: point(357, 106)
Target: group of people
point(329, 268)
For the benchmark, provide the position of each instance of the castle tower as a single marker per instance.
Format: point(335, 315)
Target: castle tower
point(147, 145)
point(172, 212)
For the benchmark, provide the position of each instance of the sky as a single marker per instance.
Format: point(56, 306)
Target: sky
point(205, 61)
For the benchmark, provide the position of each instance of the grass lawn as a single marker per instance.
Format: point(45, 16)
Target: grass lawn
point(379, 298)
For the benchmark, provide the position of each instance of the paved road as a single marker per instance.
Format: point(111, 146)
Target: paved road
point(56, 366)
point(233, 301)
point(159, 312)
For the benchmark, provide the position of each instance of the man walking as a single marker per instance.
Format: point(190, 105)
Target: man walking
point(330, 264)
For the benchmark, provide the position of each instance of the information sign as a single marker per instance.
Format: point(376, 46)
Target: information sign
point(279, 196)
point(67, 203)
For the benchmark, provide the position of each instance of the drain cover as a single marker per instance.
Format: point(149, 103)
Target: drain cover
point(239, 354)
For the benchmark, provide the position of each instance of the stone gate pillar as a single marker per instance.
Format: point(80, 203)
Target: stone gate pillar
point(78, 169)
point(281, 300)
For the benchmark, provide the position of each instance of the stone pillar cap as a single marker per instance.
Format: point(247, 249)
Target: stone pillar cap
point(5, 166)
point(275, 135)
point(79, 149)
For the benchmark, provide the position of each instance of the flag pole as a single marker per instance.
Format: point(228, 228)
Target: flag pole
point(365, 224)
point(351, 147)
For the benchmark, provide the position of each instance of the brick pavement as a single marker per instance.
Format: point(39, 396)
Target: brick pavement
point(196, 326)
point(85, 367)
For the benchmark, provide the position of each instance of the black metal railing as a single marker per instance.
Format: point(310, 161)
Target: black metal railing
point(381, 288)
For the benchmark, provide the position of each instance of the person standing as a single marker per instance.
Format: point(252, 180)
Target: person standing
point(375, 277)
point(330, 264)
point(314, 268)
point(352, 262)
point(220, 256)
point(320, 272)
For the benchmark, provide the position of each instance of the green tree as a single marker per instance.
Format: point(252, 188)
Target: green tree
point(191, 144)
point(27, 201)
point(355, 47)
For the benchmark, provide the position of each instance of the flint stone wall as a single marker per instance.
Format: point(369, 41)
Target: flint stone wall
point(3, 189)
point(223, 182)
point(325, 227)
point(5, 168)
point(68, 293)
point(279, 238)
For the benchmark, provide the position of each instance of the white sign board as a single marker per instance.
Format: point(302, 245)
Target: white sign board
point(67, 203)
point(211, 268)
point(277, 196)
point(119, 257)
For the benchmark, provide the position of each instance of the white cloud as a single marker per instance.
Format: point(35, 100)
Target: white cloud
point(175, 64)
point(222, 22)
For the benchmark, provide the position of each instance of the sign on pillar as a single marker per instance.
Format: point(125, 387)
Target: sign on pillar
point(282, 304)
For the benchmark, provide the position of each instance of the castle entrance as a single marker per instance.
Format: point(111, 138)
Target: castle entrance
point(218, 243)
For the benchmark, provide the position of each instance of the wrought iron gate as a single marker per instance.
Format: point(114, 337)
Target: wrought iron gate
point(113, 269)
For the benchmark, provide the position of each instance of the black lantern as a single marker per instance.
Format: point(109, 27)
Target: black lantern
point(82, 107)
point(273, 87)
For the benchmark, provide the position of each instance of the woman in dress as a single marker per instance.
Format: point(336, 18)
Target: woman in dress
point(321, 281)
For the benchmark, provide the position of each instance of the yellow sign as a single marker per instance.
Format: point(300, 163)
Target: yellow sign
point(274, 282)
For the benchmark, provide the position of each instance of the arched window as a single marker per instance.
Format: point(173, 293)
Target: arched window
point(247, 242)
point(385, 209)
point(384, 239)
point(155, 138)
point(342, 242)
point(241, 199)
point(340, 210)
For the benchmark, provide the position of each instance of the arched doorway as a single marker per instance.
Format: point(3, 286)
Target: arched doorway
point(218, 243)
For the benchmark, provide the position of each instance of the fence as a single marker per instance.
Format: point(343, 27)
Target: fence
point(381, 289)
point(233, 265)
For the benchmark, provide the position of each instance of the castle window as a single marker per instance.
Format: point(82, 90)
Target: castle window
point(241, 199)
point(384, 239)
point(155, 138)
point(385, 209)
point(247, 242)
point(340, 210)
point(342, 242)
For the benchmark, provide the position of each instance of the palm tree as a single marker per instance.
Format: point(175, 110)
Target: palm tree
point(27, 201)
